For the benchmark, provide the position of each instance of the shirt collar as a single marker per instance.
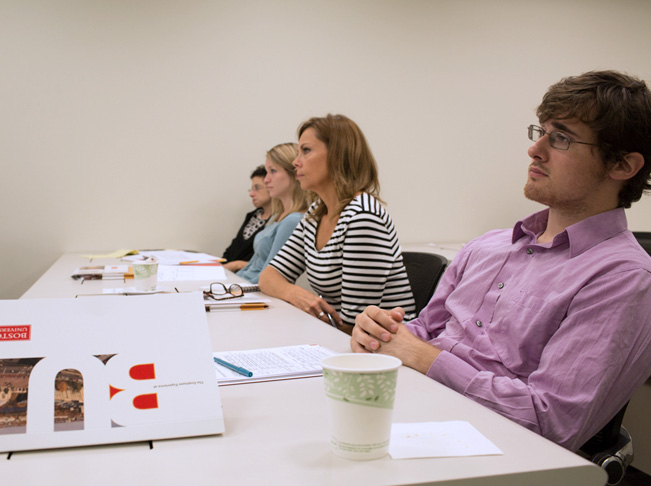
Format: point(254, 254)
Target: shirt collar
point(581, 236)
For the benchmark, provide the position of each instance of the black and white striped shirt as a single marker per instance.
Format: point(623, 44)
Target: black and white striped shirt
point(361, 265)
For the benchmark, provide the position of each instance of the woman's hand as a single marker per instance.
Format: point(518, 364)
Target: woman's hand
point(313, 305)
point(235, 265)
point(273, 283)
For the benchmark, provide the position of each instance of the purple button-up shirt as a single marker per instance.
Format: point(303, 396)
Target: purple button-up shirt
point(556, 337)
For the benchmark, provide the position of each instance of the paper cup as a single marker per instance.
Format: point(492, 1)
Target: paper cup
point(145, 275)
point(360, 390)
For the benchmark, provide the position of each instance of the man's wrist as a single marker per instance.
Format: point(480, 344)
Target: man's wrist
point(424, 357)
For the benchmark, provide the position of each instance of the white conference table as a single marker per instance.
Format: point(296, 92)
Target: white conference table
point(277, 432)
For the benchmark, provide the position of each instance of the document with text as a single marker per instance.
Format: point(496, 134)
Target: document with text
point(283, 363)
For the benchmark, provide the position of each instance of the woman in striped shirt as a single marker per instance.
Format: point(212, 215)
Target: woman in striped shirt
point(346, 242)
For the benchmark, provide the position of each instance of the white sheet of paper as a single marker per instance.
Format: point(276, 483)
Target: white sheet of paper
point(269, 364)
point(174, 257)
point(255, 297)
point(175, 273)
point(135, 291)
point(439, 439)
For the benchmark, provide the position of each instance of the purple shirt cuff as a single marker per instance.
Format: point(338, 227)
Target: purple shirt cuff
point(452, 372)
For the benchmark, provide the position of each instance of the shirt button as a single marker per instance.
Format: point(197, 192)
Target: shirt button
point(529, 251)
point(500, 285)
point(479, 323)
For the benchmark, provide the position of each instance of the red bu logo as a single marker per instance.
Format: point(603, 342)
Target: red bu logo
point(140, 372)
point(16, 333)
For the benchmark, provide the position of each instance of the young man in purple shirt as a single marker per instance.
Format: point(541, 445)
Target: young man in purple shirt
point(549, 323)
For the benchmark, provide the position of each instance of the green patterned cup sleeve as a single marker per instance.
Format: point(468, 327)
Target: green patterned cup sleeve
point(371, 390)
point(144, 271)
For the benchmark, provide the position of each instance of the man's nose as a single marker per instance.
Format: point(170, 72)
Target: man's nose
point(539, 148)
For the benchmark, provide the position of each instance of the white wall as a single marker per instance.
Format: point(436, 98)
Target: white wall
point(135, 124)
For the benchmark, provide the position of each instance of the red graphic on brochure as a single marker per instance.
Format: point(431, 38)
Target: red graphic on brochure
point(68, 403)
point(15, 333)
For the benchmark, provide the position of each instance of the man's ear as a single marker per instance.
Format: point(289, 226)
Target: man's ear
point(626, 168)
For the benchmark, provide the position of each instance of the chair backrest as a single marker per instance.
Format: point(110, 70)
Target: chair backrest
point(644, 239)
point(424, 271)
point(607, 436)
point(611, 449)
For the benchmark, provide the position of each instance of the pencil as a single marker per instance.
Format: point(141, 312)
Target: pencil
point(253, 306)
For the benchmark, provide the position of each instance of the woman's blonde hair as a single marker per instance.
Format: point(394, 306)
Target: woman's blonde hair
point(282, 156)
point(350, 161)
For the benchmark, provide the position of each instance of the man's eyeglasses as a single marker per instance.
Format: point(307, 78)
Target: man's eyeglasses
point(257, 188)
point(557, 140)
point(219, 291)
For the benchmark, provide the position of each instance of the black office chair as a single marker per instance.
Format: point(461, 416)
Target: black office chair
point(611, 448)
point(644, 239)
point(424, 271)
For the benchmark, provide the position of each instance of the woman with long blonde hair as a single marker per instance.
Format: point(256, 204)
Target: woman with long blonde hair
point(289, 202)
point(346, 242)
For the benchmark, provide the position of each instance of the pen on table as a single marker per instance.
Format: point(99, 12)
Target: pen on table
point(189, 261)
point(237, 369)
point(244, 307)
point(100, 277)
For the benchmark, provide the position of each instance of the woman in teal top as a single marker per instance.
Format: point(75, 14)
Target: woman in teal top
point(289, 202)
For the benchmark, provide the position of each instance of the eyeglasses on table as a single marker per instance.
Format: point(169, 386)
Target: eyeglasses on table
point(219, 291)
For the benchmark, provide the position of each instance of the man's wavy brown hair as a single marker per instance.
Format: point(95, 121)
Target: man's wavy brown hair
point(617, 107)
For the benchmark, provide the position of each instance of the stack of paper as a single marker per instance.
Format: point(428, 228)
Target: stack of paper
point(184, 273)
point(270, 364)
point(177, 257)
point(106, 272)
